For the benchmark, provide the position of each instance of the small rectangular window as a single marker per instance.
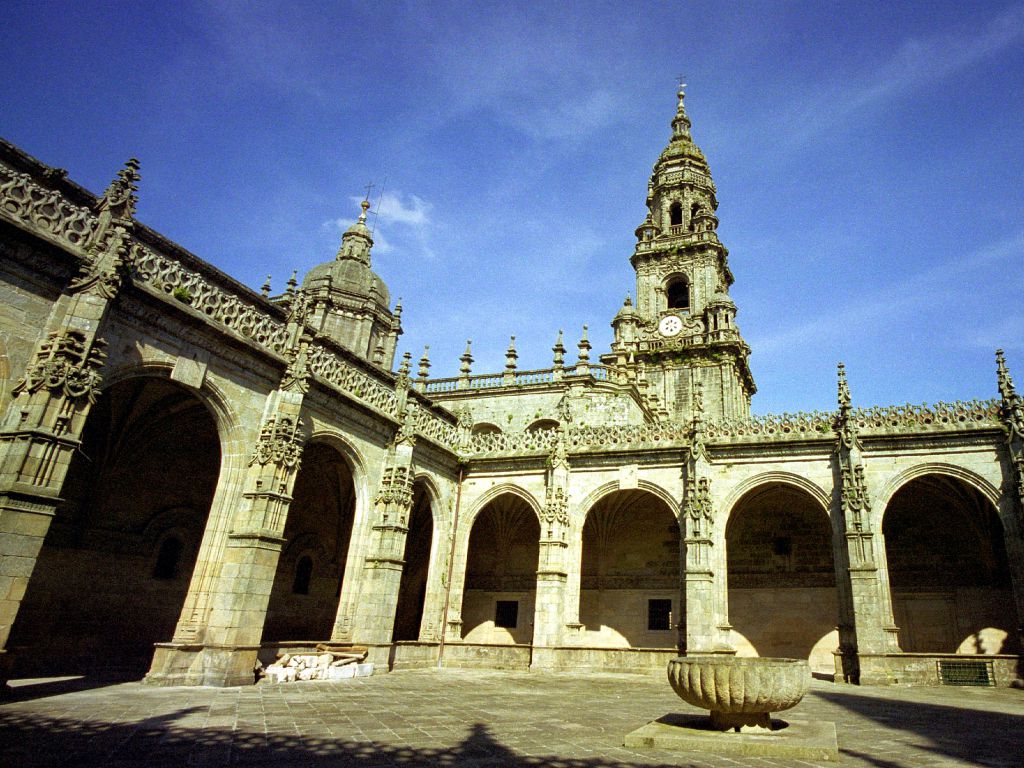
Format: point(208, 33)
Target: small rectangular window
point(659, 614)
point(506, 613)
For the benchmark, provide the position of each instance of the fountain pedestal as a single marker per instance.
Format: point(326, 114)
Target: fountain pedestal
point(741, 695)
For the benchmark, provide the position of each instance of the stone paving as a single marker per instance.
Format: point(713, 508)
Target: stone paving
point(474, 718)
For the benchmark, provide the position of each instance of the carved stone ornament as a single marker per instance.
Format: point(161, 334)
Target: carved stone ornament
point(395, 487)
point(280, 442)
point(855, 500)
point(406, 434)
point(117, 206)
point(68, 364)
point(556, 508)
point(559, 458)
point(699, 508)
point(103, 276)
point(296, 375)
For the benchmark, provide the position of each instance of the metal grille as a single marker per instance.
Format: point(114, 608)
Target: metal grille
point(966, 672)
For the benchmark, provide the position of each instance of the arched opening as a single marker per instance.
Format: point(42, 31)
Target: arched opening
point(307, 584)
point(303, 576)
point(675, 214)
point(114, 568)
point(168, 558)
point(781, 575)
point(694, 210)
point(629, 583)
point(501, 573)
point(412, 590)
point(948, 570)
point(542, 424)
point(678, 292)
point(484, 428)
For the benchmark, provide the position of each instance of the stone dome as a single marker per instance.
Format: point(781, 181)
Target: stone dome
point(350, 271)
point(349, 276)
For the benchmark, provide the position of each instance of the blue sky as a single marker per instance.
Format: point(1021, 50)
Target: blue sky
point(869, 159)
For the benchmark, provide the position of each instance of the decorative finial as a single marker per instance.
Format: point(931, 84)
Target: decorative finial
point(365, 205)
point(559, 350)
point(265, 290)
point(1006, 389)
point(584, 346)
point(681, 123)
point(425, 362)
point(511, 356)
point(628, 302)
point(398, 307)
point(466, 359)
point(403, 369)
point(844, 389)
point(292, 282)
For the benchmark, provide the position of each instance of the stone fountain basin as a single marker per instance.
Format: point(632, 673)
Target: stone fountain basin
point(740, 692)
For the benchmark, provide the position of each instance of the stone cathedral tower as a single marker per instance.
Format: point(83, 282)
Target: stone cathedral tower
point(682, 332)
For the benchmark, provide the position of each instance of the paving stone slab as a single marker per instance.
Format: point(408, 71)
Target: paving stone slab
point(692, 733)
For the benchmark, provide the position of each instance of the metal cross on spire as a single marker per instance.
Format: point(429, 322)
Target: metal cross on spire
point(682, 82)
point(369, 187)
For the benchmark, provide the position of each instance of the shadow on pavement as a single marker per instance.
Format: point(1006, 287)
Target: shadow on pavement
point(28, 740)
point(971, 736)
point(38, 688)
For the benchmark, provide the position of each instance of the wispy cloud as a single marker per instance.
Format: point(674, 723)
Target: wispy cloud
point(917, 61)
point(392, 207)
point(405, 217)
point(879, 309)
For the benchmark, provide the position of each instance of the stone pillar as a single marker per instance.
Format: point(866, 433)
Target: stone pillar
point(700, 628)
point(218, 635)
point(1011, 413)
point(866, 623)
point(552, 573)
point(374, 620)
point(43, 424)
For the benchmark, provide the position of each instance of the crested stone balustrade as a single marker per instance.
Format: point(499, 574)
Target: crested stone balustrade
point(224, 303)
point(49, 213)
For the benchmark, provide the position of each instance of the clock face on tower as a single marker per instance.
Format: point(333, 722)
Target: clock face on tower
point(670, 325)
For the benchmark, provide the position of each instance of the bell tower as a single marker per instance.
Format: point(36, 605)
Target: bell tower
point(682, 333)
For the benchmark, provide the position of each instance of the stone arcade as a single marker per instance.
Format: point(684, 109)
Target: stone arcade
point(191, 466)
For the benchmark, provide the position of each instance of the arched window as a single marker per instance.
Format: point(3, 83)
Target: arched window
point(678, 294)
point(167, 558)
point(303, 575)
point(675, 214)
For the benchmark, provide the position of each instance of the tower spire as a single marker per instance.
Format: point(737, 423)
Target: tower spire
point(681, 121)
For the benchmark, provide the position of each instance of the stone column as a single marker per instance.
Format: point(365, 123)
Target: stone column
point(43, 425)
point(700, 628)
point(1011, 413)
point(218, 635)
point(374, 619)
point(866, 623)
point(549, 607)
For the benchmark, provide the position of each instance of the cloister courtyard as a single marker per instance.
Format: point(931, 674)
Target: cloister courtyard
point(472, 718)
